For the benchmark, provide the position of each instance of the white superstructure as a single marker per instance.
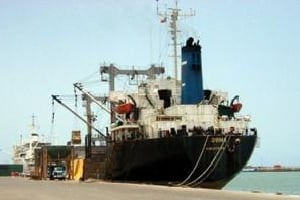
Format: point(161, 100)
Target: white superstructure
point(23, 153)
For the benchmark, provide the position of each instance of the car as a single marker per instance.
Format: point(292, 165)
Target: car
point(57, 172)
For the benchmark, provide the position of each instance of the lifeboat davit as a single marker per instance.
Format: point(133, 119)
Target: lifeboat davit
point(124, 108)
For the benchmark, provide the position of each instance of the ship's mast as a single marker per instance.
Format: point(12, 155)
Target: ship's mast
point(33, 128)
point(171, 16)
point(173, 26)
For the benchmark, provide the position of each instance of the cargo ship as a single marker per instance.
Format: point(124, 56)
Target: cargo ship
point(171, 131)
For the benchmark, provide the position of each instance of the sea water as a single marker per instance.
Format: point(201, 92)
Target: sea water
point(287, 183)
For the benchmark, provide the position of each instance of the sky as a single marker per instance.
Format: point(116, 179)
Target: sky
point(250, 48)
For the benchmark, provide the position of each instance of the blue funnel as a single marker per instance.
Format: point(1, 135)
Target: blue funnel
point(191, 73)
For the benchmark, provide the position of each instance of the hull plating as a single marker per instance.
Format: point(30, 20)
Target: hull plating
point(195, 161)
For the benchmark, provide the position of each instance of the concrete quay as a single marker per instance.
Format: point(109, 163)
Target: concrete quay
point(17, 188)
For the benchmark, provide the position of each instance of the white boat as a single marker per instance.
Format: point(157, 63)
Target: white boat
point(23, 152)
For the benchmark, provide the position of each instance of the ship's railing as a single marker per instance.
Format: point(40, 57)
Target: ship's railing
point(133, 132)
point(198, 130)
point(126, 132)
point(221, 131)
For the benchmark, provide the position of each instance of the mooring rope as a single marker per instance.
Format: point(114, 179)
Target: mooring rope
point(196, 165)
point(211, 163)
point(214, 167)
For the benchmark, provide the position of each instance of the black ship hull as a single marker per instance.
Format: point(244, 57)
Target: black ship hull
point(195, 161)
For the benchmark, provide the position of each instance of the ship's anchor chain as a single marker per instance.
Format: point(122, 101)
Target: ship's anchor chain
point(211, 166)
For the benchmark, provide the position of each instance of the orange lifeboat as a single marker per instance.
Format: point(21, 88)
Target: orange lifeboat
point(236, 107)
point(124, 108)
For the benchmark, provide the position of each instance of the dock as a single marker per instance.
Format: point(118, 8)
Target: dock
point(14, 188)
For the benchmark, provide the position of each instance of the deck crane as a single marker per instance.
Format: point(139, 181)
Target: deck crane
point(89, 99)
point(56, 98)
point(88, 122)
point(113, 71)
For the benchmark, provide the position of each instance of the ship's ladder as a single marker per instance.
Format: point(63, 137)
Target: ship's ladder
point(211, 166)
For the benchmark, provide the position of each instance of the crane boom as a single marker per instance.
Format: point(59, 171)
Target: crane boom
point(55, 97)
point(94, 99)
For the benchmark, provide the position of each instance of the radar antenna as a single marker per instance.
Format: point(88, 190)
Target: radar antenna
point(171, 16)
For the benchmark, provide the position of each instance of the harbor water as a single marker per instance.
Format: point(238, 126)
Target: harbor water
point(287, 183)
